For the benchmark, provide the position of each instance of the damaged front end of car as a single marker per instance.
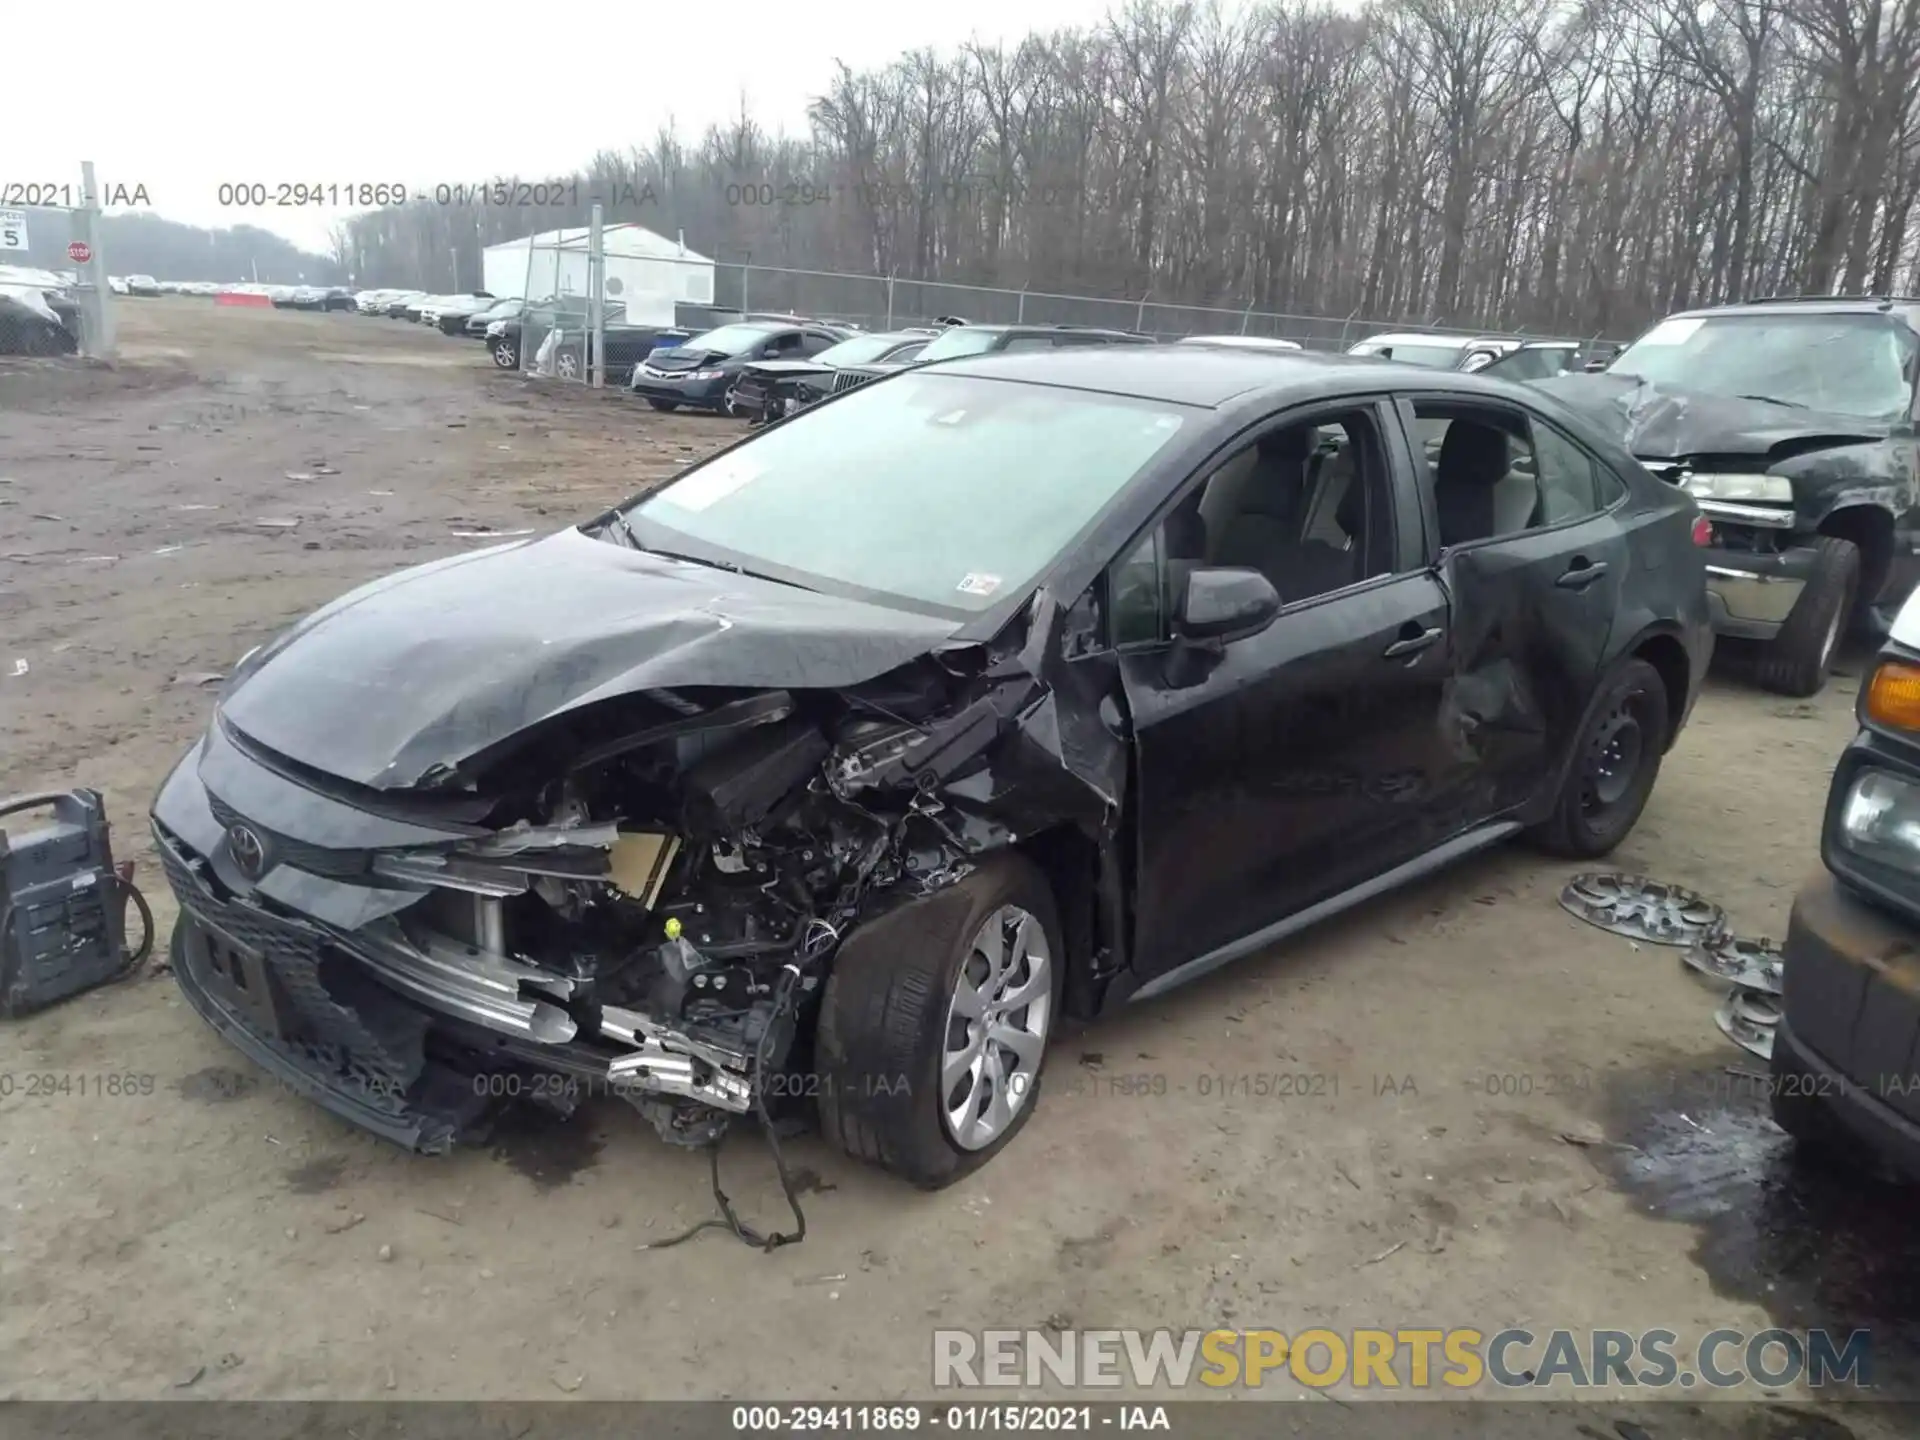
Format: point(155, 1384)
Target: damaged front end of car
point(641, 894)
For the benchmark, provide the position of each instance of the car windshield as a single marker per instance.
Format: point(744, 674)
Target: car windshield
point(954, 343)
point(942, 490)
point(1859, 365)
point(1434, 357)
point(729, 339)
point(857, 351)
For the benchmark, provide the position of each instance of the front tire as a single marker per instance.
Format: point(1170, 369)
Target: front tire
point(505, 356)
point(665, 407)
point(934, 1027)
point(1795, 661)
point(1615, 763)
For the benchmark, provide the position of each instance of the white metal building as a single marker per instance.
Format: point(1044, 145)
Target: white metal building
point(647, 273)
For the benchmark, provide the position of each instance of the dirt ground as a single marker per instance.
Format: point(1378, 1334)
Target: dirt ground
point(1467, 1043)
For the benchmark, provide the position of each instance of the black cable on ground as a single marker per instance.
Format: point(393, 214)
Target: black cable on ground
point(727, 1219)
point(138, 957)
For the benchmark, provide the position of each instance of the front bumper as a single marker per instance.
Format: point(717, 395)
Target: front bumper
point(1849, 1034)
point(315, 971)
point(703, 394)
point(1750, 595)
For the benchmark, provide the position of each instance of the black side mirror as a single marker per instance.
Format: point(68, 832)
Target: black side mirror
point(1221, 605)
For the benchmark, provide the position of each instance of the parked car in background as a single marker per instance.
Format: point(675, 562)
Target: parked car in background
point(375, 302)
point(142, 285)
point(1791, 421)
point(769, 389)
point(1434, 351)
point(117, 285)
point(565, 319)
point(958, 339)
point(701, 372)
point(1240, 342)
point(1543, 359)
point(448, 313)
point(475, 325)
point(1843, 1081)
point(30, 323)
point(1003, 693)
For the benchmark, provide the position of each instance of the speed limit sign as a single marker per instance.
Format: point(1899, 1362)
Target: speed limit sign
point(13, 229)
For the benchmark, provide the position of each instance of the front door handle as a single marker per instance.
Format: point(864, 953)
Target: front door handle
point(1412, 645)
point(1581, 575)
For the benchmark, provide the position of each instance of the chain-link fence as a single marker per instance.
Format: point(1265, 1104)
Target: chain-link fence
point(556, 341)
point(878, 302)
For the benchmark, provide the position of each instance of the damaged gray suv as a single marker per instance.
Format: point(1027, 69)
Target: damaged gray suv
point(831, 775)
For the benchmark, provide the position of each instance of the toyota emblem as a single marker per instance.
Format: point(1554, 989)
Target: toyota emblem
point(248, 850)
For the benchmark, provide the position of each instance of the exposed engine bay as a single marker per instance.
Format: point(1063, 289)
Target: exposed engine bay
point(669, 894)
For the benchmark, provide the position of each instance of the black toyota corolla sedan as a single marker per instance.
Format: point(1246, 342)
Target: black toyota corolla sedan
point(850, 761)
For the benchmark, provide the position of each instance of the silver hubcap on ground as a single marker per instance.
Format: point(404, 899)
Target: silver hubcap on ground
point(568, 367)
point(996, 1028)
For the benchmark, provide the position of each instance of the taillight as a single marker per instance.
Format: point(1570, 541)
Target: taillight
point(1702, 530)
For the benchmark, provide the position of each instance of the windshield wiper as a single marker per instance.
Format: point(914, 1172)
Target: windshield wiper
point(1776, 400)
point(619, 519)
point(727, 565)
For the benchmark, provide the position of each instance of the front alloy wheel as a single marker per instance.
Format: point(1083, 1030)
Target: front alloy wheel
point(934, 1026)
point(504, 355)
point(996, 1028)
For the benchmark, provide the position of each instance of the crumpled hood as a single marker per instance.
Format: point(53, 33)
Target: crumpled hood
point(426, 667)
point(1657, 422)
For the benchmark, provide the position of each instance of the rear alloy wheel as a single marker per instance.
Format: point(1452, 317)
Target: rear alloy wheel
point(505, 356)
point(934, 1027)
point(1615, 763)
point(1795, 661)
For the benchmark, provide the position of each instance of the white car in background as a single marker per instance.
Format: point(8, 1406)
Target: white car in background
point(1240, 342)
point(1436, 352)
point(142, 285)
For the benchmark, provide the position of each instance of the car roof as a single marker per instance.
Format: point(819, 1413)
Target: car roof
point(1906, 306)
point(1210, 377)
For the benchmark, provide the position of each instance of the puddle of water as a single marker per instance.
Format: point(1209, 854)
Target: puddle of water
point(540, 1145)
point(1811, 1239)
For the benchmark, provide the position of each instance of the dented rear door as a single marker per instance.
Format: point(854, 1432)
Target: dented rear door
point(1532, 615)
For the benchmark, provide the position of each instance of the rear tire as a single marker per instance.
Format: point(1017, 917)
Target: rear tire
point(1616, 761)
point(891, 1021)
point(1795, 661)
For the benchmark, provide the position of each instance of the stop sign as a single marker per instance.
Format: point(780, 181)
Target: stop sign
point(79, 252)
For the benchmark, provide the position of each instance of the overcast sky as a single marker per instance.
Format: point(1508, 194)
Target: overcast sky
point(200, 92)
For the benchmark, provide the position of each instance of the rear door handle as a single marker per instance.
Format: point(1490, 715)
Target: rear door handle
point(1582, 575)
point(1412, 645)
